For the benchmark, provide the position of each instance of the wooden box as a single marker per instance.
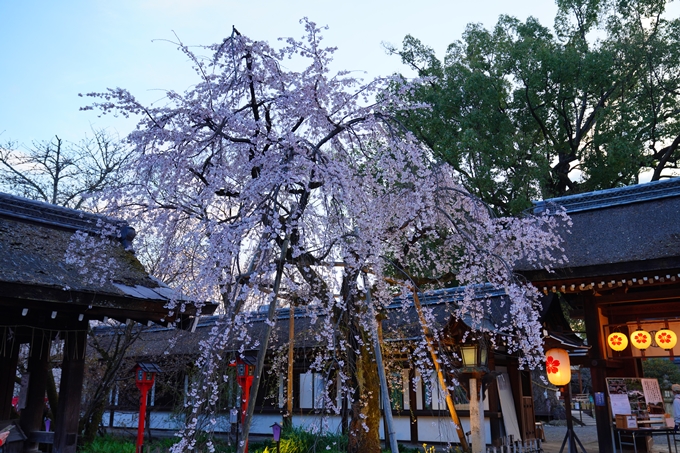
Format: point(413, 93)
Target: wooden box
point(626, 422)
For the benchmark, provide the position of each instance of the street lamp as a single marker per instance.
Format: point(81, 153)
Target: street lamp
point(276, 431)
point(474, 356)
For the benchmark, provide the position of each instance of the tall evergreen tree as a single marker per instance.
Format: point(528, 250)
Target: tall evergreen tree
point(523, 112)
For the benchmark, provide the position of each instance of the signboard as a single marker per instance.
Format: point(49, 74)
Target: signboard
point(640, 397)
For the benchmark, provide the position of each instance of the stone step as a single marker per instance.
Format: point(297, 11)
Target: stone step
point(583, 417)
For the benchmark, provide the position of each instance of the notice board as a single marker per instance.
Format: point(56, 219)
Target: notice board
point(635, 396)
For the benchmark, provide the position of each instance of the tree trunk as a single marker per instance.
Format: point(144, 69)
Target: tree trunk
point(364, 424)
point(364, 432)
point(91, 425)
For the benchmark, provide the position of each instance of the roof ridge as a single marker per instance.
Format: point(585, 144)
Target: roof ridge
point(606, 198)
point(38, 211)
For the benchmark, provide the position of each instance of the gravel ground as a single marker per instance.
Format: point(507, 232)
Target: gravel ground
point(554, 435)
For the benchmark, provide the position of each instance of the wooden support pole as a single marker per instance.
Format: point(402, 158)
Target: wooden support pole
point(476, 416)
point(32, 415)
point(70, 392)
point(9, 358)
point(598, 374)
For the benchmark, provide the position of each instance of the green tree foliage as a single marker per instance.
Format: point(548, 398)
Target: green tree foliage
point(524, 112)
point(664, 370)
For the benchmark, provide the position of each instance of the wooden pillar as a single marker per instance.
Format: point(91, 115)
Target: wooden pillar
point(495, 420)
point(413, 404)
point(70, 391)
point(598, 373)
point(38, 366)
point(9, 357)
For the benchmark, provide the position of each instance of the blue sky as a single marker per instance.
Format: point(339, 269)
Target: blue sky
point(50, 51)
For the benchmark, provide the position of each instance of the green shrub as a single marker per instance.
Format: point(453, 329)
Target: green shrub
point(297, 440)
point(109, 444)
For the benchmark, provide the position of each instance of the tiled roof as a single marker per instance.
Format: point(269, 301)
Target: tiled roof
point(618, 231)
point(34, 238)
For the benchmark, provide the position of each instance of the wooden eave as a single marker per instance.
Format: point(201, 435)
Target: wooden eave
point(93, 306)
point(606, 277)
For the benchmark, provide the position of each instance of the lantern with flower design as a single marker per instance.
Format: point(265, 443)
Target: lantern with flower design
point(666, 338)
point(641, 339)
point(557, 366)
point(617, 341)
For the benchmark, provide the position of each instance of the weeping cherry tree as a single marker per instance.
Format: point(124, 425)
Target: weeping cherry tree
point(268, 185)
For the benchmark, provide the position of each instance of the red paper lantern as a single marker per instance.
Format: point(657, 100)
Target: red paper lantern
point(557, 366)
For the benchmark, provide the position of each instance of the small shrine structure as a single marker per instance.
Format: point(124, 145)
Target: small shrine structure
point(623, 273)
point(45, 297)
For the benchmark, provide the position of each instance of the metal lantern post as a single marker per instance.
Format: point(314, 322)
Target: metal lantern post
point(145, 376)
point(558, 368)
point(475, 356)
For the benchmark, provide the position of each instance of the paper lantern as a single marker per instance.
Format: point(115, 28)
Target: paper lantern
point(617, 341)
point(557, 366)
point(641, 339)
point(666, 338)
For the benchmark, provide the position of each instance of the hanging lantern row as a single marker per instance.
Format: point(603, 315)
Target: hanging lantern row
point(641, 339)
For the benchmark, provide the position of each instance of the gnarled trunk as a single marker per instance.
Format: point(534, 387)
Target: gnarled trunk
point(364, 432)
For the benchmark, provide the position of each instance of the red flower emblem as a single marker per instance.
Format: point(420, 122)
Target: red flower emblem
point(641, 338)
point(664, 337)
point(551, 365)
point(616, 340)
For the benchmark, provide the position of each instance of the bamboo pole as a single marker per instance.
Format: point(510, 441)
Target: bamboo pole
point(288, 420)
point(440, 376)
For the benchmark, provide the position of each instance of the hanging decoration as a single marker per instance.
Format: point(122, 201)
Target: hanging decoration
point(666, 339)
point(557, 366)
point(641, 339)
point(617, 341)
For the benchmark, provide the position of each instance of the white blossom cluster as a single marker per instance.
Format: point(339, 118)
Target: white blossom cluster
point(92, 256)
point(264, 185)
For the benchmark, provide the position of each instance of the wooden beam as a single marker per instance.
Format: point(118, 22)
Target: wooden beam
point(621, 314)
point(95, 304)
point(612, 270)
point(639, 295)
